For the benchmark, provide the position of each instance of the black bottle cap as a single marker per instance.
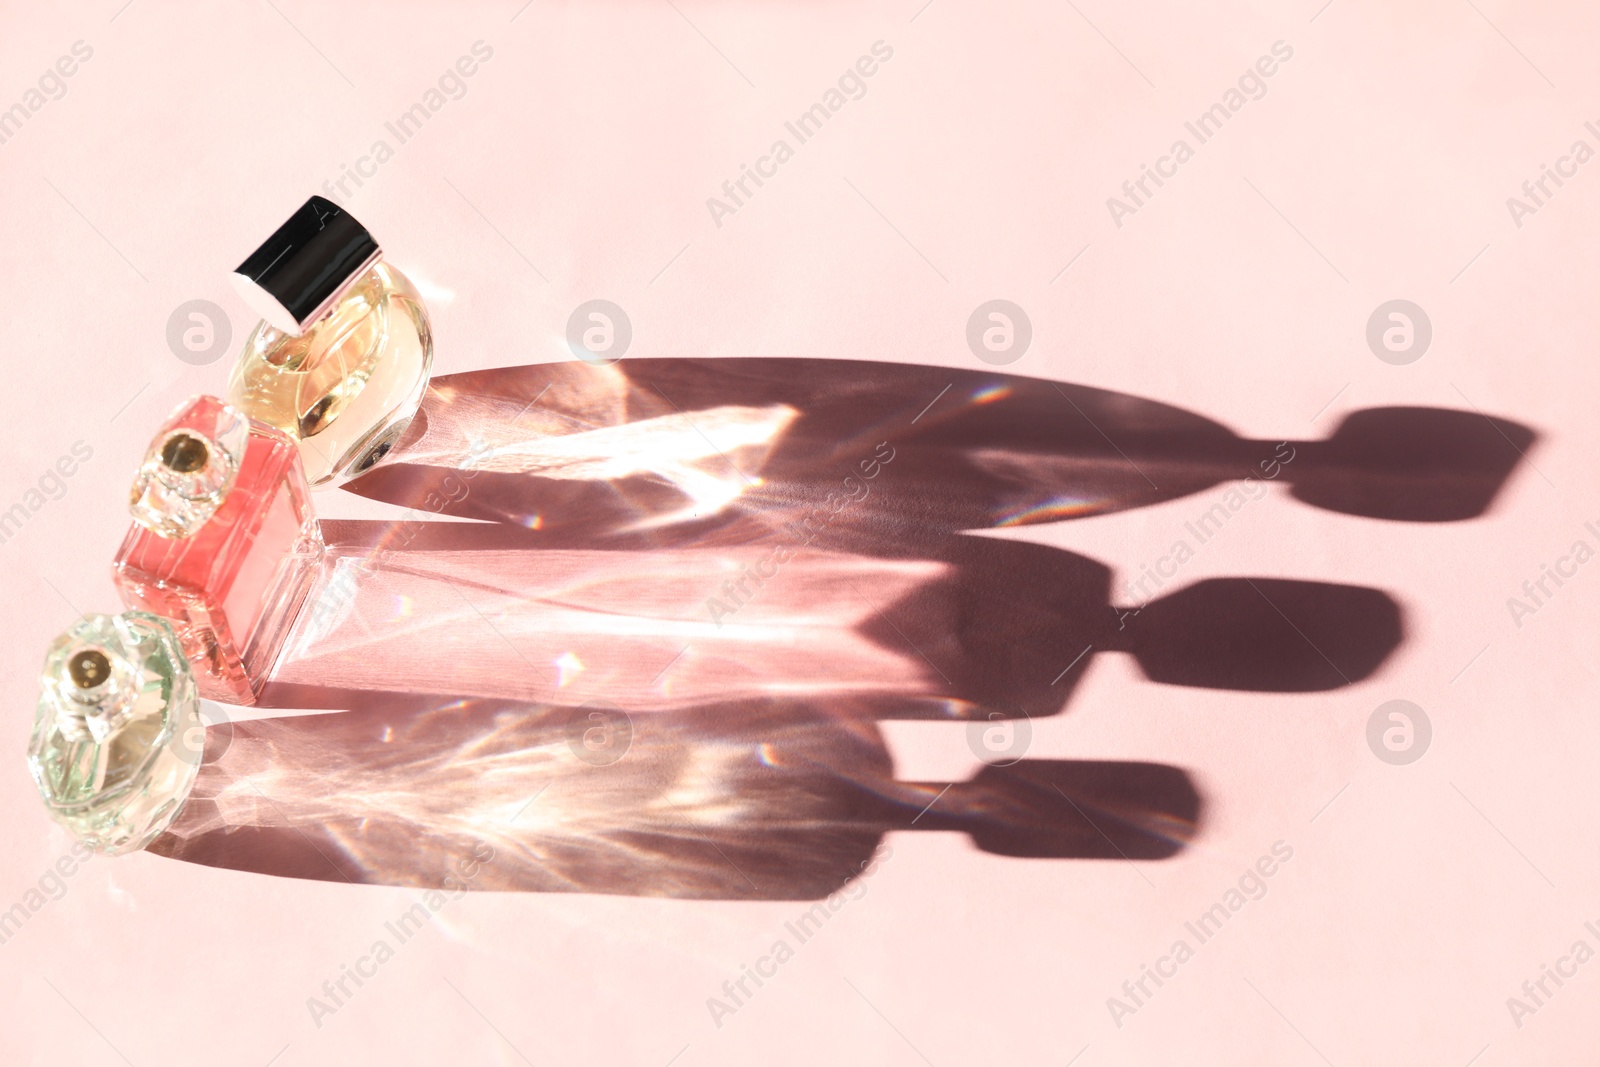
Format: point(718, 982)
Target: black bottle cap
point(298, 272)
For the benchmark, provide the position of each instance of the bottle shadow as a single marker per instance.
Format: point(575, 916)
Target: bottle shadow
point(972, 628)
point(729, 571)
point(760, 800)
point(668, 451)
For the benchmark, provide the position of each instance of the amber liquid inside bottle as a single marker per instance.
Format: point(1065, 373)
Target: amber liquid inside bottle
point(346, 388)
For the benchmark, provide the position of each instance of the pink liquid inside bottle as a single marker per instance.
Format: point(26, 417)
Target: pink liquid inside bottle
point(224, 543)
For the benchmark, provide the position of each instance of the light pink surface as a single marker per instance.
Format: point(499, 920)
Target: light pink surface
point(976, 166)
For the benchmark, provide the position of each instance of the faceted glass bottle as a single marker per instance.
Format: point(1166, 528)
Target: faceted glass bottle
point(224, 543)
point(342, 355)
point(115, 743)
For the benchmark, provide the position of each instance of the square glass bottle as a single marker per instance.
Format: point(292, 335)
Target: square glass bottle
point(224, 543)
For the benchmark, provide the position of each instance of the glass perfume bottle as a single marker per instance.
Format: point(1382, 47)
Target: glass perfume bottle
point(116, 740)
point(341, 358)
point(224, 543)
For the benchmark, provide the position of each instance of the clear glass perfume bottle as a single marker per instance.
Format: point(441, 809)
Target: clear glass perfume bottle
point(341, 358)
point(114, 750)
point(224, 543)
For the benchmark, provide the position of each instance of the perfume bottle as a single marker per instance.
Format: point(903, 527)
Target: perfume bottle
point(223, 543)
point(341, 357)
point(116, 740)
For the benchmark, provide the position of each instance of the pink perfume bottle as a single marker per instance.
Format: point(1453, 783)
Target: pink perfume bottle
point(224, 543)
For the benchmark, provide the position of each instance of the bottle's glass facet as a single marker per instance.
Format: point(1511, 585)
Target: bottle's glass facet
point(347, 387)
point(224, 543)
point(115, 743)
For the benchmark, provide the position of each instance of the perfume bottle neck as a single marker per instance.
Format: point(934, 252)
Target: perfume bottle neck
point(189, 468)
point(193, 466)
point(95, 693)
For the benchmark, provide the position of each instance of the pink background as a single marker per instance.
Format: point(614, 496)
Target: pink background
point(1415, 903)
